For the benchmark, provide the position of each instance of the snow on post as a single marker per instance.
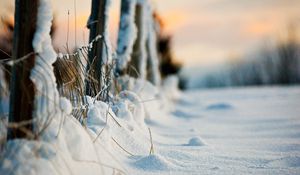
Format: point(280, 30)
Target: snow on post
point(47, 101)
point(138, 60)
point(107, 59)
point(152, 60)
point(107, 56)
point(137, 41)
point(127, 34)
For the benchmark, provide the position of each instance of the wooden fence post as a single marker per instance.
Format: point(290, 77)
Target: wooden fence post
point(97, 27)
point(153, 74)
point(126, 36)
point(138, 57)
point(22, 88)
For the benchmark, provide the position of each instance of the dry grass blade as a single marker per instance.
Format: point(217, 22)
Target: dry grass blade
point(114, 119)
point(122, 147)
point(152, 147)
point(104, 126)
point(99, 134)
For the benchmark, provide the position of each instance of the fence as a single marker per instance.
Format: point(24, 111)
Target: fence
point(91, 70)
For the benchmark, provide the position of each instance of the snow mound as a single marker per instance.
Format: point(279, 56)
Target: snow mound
point(185, 113)
point(22, 158)
point(170, 87)
point(96, 115)
point(151, 97)
point(219, 106)
point(153, 163)
point(135, 106)
point(196, 141)
point(288, 161)
point(65, 105)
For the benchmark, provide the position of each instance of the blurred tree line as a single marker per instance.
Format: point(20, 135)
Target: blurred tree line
point(274, 64)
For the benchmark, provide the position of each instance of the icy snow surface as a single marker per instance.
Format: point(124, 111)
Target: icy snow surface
point(258, 134)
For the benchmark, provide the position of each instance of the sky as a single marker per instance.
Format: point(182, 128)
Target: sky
point(211, 31)
point(204, 31)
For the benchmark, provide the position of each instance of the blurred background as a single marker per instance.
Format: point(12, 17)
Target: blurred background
point(218, 43)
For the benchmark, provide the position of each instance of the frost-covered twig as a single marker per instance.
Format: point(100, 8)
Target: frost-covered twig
point(15, 61)
point(5, 53)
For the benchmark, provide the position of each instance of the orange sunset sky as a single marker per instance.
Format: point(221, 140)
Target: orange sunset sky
point(204, 31)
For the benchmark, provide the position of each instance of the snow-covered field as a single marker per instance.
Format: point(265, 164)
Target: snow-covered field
point(240, 131)
point(221, 131)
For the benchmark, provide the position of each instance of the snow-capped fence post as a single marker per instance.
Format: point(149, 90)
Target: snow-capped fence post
point(126, 35)
point(137, 65)
point(153, 74)
point(137, 51)
point(96, 25)
point(22, 88)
